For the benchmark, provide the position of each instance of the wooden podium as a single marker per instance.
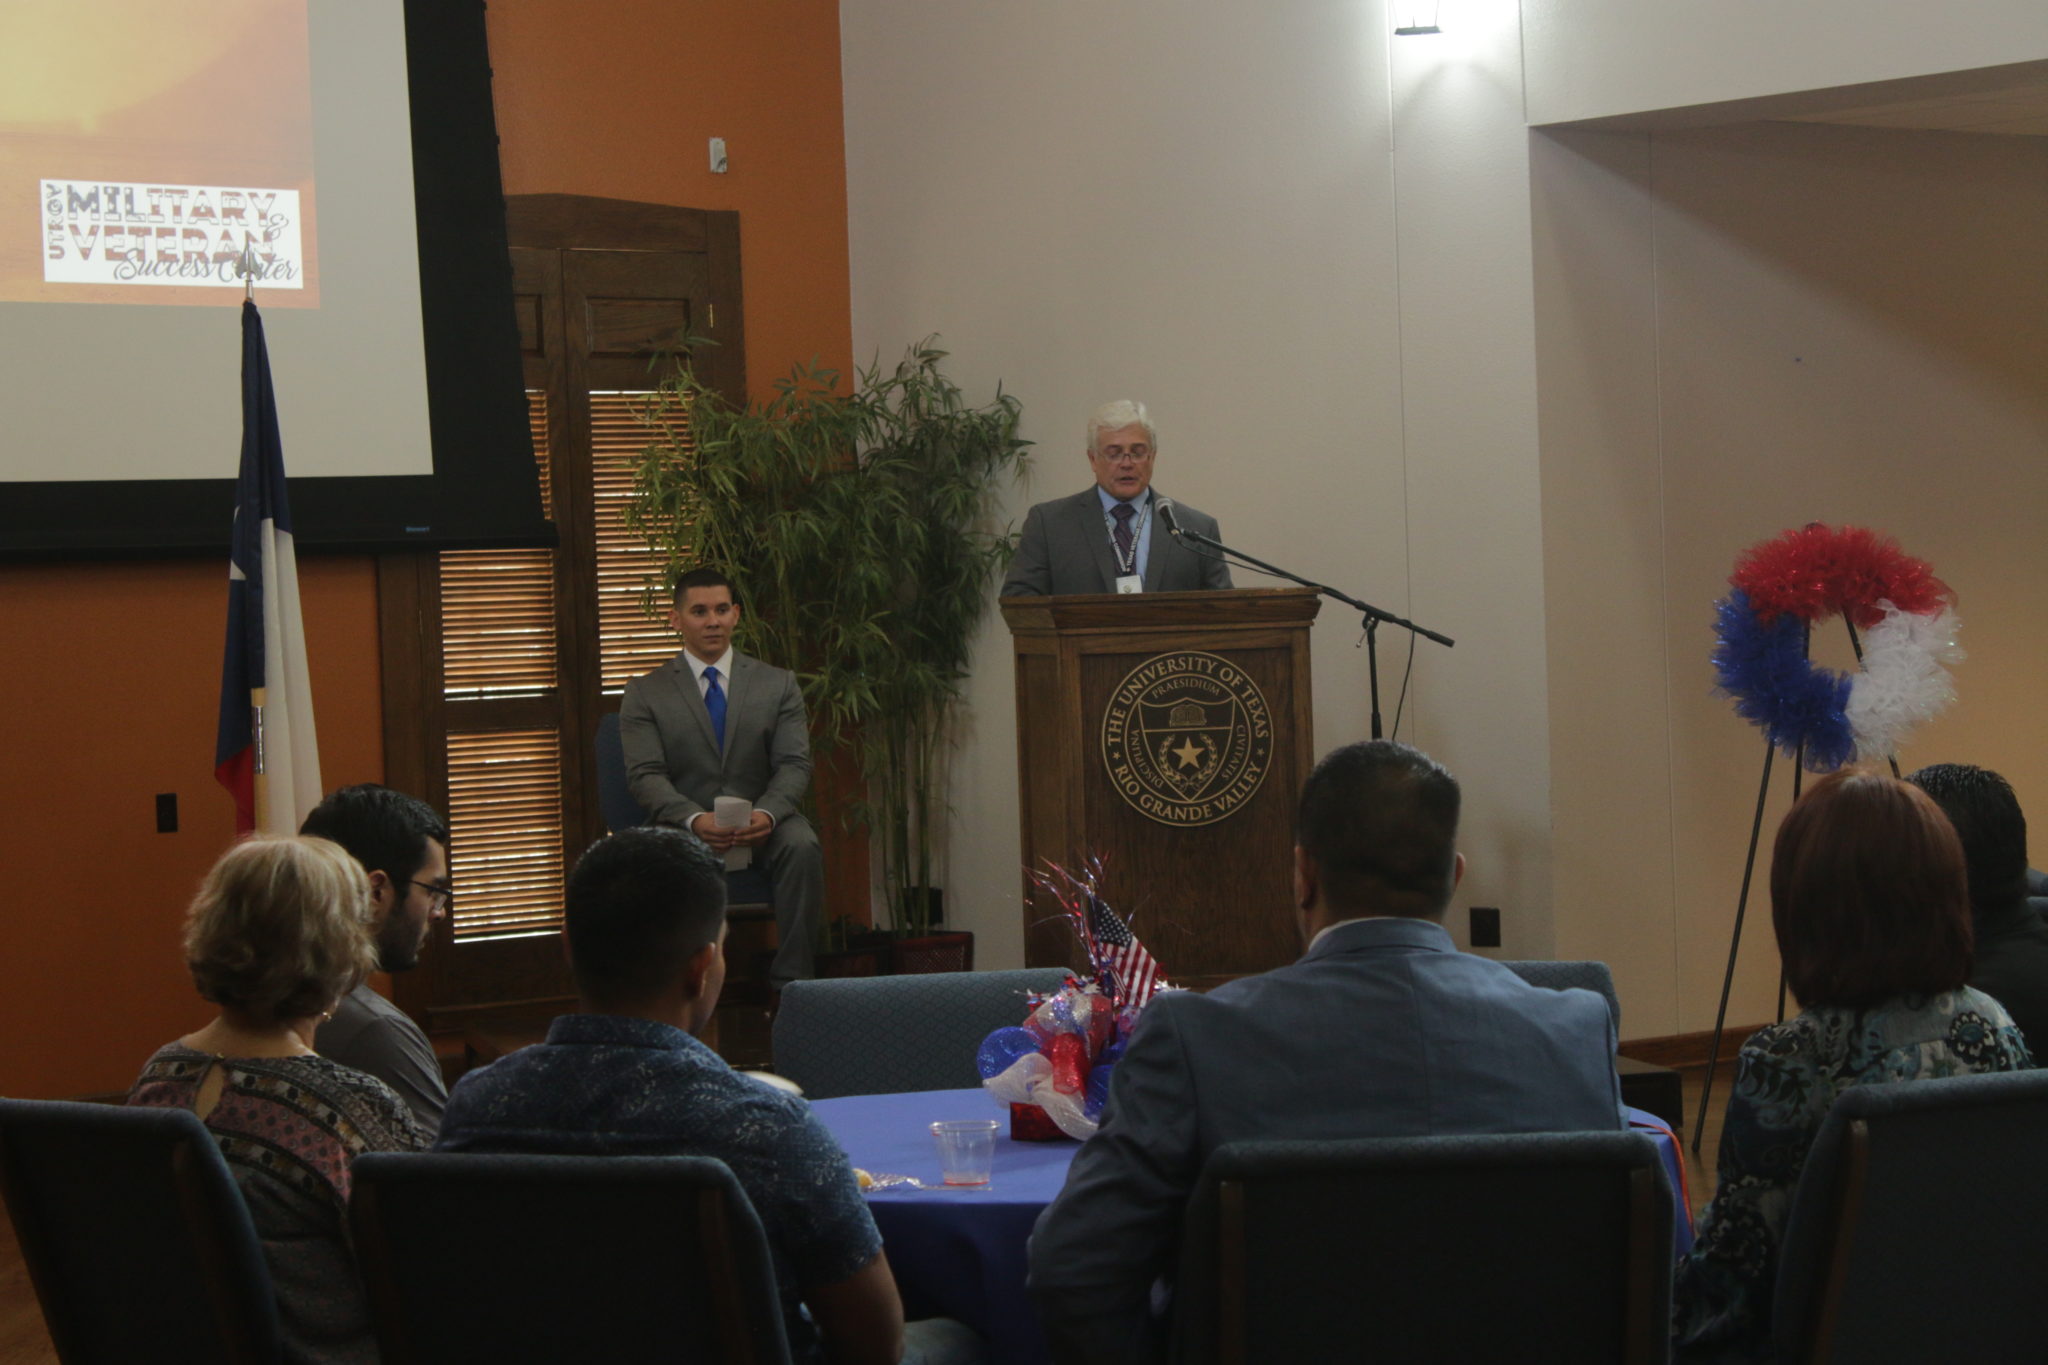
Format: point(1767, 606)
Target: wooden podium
point(1167, 734)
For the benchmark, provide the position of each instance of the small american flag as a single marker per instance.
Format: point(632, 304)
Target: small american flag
point(1133, 975)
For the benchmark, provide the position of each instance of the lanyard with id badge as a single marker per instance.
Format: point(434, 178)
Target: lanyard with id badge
point(1128, 577)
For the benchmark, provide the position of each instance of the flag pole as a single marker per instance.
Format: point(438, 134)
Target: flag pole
point(265, 749)
point(261, 769)
point(248, 272)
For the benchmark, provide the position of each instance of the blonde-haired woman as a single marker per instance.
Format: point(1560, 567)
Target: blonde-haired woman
point(279, 932)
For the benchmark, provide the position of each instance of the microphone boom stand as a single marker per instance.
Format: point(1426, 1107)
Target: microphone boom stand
point(1373, 615)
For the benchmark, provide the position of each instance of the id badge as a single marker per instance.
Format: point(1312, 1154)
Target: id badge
point(1131, 582)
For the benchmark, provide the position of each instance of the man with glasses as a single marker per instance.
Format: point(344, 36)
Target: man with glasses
point(1109, 538)
point(402, 844)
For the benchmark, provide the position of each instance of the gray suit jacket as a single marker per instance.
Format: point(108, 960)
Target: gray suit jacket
point(1383, 1029)
point(1065, 548)
point(673, 763)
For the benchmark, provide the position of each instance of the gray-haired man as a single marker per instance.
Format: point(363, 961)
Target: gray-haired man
point(1108, 538)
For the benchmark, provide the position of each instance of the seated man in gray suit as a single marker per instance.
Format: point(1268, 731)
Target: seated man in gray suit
point(712, 722)
point(1108, 538)
point(1382, 1029)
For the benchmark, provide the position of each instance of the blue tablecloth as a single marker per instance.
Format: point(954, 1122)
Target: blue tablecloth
point(960, 1253)
point(957, 1253)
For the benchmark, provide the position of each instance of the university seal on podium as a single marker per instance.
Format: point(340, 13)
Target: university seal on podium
point(1187, 738)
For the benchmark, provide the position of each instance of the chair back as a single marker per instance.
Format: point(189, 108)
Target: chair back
point(1543, 1247)
point(1560, 976)
point(135, 1235)
point(884, 1035)
point(1917, 1194)
point(614, 795)
point(512, 1258)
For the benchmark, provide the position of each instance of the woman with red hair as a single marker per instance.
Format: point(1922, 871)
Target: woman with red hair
point(1872, 914)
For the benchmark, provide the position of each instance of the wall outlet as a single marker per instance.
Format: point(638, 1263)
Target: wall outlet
point(166, 812)
point(1485, 926)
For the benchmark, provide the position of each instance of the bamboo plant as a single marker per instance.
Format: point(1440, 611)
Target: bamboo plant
point(857, 530)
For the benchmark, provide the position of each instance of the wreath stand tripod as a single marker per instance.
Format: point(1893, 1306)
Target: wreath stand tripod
point(1756, 826)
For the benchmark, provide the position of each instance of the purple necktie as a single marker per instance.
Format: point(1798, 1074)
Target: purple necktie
point(1126, 547)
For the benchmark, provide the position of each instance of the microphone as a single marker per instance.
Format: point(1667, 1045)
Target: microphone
point(1167, 515)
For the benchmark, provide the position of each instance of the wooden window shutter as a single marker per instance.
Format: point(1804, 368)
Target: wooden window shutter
point(505, 820)
point(498, 606)
point(499, 665)
point(630, 642)
point(499, 642)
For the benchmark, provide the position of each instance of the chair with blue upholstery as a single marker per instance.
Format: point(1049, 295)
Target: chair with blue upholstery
point(885, 1035)
point(1644, 1085)
point(135, 1235)
point(1561, 976)
point(1530, 1247)
point(746, 890)
point(550, 1258)
point(1919, 1230)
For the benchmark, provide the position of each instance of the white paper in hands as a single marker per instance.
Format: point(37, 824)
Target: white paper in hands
point(734, 812)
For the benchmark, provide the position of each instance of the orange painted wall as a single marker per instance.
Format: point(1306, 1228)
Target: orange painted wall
point(109, 673)
point(620, 98)
point(109, 695)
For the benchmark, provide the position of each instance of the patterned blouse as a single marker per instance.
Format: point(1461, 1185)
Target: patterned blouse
point(289, 1127)
point(607, 1084)
point(1787, 1078)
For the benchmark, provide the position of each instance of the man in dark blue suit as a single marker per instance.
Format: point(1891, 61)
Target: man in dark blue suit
point(1381, 1029)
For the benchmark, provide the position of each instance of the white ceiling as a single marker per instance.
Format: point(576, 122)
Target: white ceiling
point(2020, 108)
point(2010, 100)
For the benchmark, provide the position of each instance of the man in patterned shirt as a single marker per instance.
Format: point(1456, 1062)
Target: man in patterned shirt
point(645, 927)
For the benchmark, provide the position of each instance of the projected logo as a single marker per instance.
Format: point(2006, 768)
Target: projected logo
point(140, 234)
point(1187, 738)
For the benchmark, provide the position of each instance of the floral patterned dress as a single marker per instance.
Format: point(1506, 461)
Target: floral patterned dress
point(1786, 1081)
point(289, 1127)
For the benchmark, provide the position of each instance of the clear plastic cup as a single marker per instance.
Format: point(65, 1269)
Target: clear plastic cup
point(967, 1150)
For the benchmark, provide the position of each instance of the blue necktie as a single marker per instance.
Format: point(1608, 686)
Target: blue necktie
point(714, 702)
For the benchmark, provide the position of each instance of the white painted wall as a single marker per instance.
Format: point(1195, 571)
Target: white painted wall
point(1192, 202)
point(1744, 329)
point(1461, 183)
point(1600, 58)
point(1336, 263)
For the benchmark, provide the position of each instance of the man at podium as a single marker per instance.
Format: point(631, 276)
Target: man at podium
point(1113, 537)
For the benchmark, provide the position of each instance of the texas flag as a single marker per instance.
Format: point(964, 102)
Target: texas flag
point(265, 754)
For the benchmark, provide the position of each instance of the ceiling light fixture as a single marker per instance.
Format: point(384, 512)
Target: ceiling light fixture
point(1417, 18)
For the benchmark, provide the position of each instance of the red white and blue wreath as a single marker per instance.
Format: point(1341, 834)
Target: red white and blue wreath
point(1907, 618)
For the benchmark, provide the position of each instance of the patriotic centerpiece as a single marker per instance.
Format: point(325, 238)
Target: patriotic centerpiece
point(1782, 587)
point(1053, 1070)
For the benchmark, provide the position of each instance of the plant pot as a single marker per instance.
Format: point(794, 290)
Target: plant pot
point(853, 962)
point(933, 908)
point(942, 952)
point(862, 953)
